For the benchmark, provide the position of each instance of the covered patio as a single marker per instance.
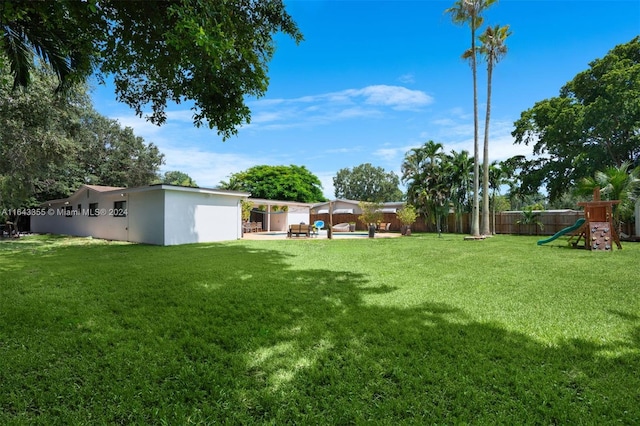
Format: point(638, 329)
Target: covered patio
point(269, 216)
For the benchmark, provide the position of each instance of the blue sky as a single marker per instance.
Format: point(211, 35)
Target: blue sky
point(375, 78)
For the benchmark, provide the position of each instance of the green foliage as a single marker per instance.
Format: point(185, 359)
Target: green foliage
point(407, 214)
point(616, 183)
point(36, 137)
point(594, 123)
point(367, 183)
point(51, 143)
point(286, 183)
point(371, 212)
point(432, 178)
point(175, 177)
point(380, 331)
point(500, 203)
point(530, 217)
point(246, 206)
point(213, 53)
point(60, 33)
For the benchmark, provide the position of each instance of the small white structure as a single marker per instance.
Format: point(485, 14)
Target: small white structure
point(156, 214)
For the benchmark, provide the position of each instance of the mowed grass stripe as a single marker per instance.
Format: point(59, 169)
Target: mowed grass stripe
point(412, 330)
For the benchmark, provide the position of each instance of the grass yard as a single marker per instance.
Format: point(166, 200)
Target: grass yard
point(417, 330)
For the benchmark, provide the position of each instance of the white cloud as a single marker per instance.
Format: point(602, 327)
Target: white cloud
point(396, 97)
point(390, 154)
point(207, 168)
point(140, 126)
point(407, 78)
point(455, 132)
point(368, 102)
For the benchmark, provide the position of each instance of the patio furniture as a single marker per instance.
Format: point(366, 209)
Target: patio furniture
point(299, 229)
point(341, 227)
point(384, 226)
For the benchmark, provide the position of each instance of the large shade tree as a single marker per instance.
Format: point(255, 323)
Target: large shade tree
point(594, 123)
point(50, 144)
point(367, 183)
point(176, 177)
point(286, 183)
point(209, 52)
point(470, 12)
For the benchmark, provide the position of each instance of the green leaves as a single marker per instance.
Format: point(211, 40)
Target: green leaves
point(367, 183)
point(213, 53)
point(594, 123)
point(51, 143)
point(286, 183)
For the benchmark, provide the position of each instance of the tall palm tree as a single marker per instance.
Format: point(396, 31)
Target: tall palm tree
point(470, 12)
point(493, 48)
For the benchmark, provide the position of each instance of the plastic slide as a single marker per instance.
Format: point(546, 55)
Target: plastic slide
point(562, 232)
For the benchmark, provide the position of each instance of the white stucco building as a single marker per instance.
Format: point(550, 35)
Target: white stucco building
point(155, 214)
point(162, 214)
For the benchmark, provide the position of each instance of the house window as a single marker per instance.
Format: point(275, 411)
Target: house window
point(68, 211)
point(120, 209)
point(93, 209)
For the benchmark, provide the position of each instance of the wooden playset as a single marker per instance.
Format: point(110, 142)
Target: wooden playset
point(598, 229)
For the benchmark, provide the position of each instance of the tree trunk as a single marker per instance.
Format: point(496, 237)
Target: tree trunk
point(475, 219)
point(485, 230)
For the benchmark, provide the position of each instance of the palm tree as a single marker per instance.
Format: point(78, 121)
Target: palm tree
point(616, 183)
point(54, 40)
point(421, 169)
point(493, 48)
point(498, 176)
point(470, 12)
point(459, 169)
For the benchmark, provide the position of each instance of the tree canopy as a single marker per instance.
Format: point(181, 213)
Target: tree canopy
point(594, 123)
point(210, 52)
point(175, 177)
point(286, 183)
point(51, 143)
point(367, 183)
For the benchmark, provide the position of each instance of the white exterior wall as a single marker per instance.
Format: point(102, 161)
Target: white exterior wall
point(159, 215)
point(193, 217)
point(145, 215)
point(80, 223)
point(298, 214)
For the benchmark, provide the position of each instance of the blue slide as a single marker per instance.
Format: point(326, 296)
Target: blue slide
point(561, 232)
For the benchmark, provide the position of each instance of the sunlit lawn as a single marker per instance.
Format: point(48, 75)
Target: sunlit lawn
point(405, 330)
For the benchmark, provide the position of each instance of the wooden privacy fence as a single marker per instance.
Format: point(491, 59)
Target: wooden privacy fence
point(552, 221)
point(505, 222)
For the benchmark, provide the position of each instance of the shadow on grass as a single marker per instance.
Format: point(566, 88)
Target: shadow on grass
point(235, 333)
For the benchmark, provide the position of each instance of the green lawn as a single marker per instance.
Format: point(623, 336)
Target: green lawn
point(405, 330)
